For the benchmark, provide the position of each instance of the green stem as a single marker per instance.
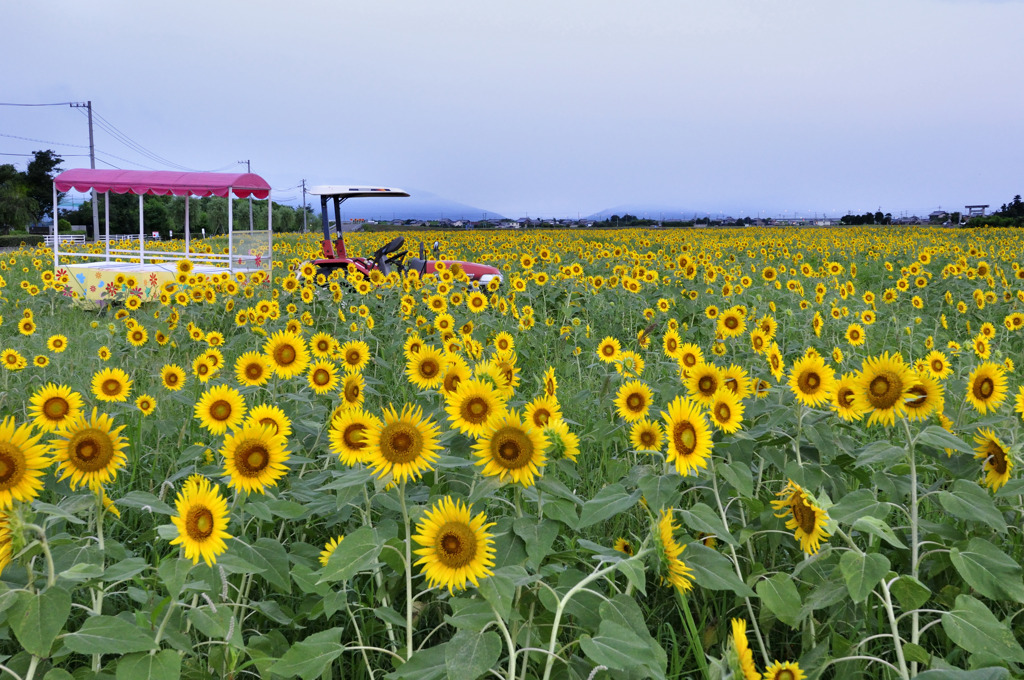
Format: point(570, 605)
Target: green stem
point(799, 431)
point(915, 620)
point(509, 642)
point(695, 645)
point(408, 572)
point(887, 600)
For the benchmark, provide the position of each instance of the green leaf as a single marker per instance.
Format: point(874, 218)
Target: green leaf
point(739, 476)
point(146, 502)
point(957, 674)
point(164, 665)
point(538, 536)
point(880, 454)
point(701, 517)
point(83, 571)
point(108, 635)
point(660, 491)
point(933, 435)
point(910, 592)
point(609, 501)
point(426, 664)
point(877, 527)
point(780, 595)
point(713, 570)
point(862, 572)
point(498, 589)
point(311, 657)
point(356, 553)
point(212, 622)
point(561, 510)
point(469, 614)
point(469, 655)
point(270, 557)
point(619, 648)
point(971, 626)
point(857, 504)
point(173, 573)
point(967, 500)
point(58, 674)
point(989, 570)
point(37, 618)
point(916, 653)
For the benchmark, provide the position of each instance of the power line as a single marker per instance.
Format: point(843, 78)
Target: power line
point(127, 141)
point(17, 104)
point(45, 141)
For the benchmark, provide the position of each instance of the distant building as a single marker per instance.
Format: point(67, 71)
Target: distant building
point(975, 210)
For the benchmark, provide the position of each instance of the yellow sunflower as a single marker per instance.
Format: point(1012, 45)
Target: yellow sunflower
point(52, 406)
point(90, 450)
point(783, 670)
point(474, 407)
point(6, 540)
point(775, 362)
point(254, 457)
point(457, 548)
point(323, 376)
point(355, 354)
point(272, 416)
point(22, 461)
point(986, 387)
point(998, 462)
point(925, 398)
point(425, 370)
point(726, 410)
point(633, 401)
point(347, 434)
point(322, 345)
point(811, 380)
point(623, 545)
point(204, 369)
point(512, 450)
point(550, 382)
point(402, 445)
point(608, 349)
point(562, 443)
point(111, 384)
point(329, 548)
point(57, 343)
point(456, 371)
point(287, 353)
point(146, 404)
point(646, 435)
point(219, 408)
point(353, 390)
point(744, 655)
point(173, 377)
point(689, 356)
point(202, 521)
point(679, 575)
point(542, 410)
point(688, 435)
point(703, 381)
point(253, 369)
point(843, 402)
point(807, 519)
point(883, 387)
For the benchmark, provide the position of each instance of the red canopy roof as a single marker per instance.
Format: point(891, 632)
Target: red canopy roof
point(163, 183)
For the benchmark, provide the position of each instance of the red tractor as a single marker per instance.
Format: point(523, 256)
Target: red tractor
point(388, 258)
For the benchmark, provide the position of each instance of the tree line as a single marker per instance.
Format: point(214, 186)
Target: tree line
point(1009, 215)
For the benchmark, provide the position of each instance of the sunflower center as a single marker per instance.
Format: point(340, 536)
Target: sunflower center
point(608, 350)
point(171, 379)
point(199, 523)
point(220, 410)
point(251, 458)
point(56, 408)
point(285, 355)
point(731, 322)
point(11, 462)
point(321, 377)
point(353, 357)
point(707, 384)
point(272, 423)
point(996, 457)
point(111, 387)
point(785, 674)
point(685, 438)
point(804, 515)
point(254, 371)
point(512, 448)
point(884, 390)
point(635, 402)
point(353, 436)
point(541, 416)
point(919, 398)
point(647, 438)
point(352, 393)
point(451, 382)
point(429, 368)
point(91, 450)
point(456, 544)
point(983, 388)
point(722, 412)
point(809, 382)
point(937, 366)
point(476, 410)
point(689, 360)
point(845, 397)
point(400, 443)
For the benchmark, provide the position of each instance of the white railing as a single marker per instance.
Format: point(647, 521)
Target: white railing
point(69, 238)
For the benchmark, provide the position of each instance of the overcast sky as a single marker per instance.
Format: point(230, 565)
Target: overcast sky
point(553, 107)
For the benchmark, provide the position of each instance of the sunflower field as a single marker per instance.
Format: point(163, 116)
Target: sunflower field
point(768, 454)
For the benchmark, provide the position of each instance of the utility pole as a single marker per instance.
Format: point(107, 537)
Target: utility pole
point(248, 168)
point(303, 206)
point(92, 165)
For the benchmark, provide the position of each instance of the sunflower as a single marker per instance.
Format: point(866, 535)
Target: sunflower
point(726, 410)
point(111, 384)
point(6, 540)
point(137, 336)
point(731, 323)
point(474, 407)
point(403, 445)
point(203, 368)
point(90, 450)
point(323, 376)
point(735, 378)
point(938, 365)
point(202, 521)
point(679, 575)
point(783, 670)
point(629, 364)
point(689, 356)
point(633, 401)
point(925, 398)
point(54, 405)
point(271, 416)
point(703, 381)
point(425, 369)
point(542, 410)
point(507, 372)
point(57, 343)
point(219, 408)
point(456, 545)
point(883, 387)
point(512, 450)
point(355, 354)
point(347, 434)
point(329, 548)
point(173, 377)
point(775, 362)
point(287, 353)
point(27, 326)
point(811, 380)
point(146, 404)
point(253, 369)
point(843, 402)
point(855, 334)
point(998, 463)
point(646, 435)
point(986, 387)
point(456, 371)
point(353, 390)
point(254, 457)
point(562, 443)
point(744, 655)
point(688, 435)
point(623, 545)
point(22, 461)
point(805, 517)
point(608, 349)
point(322, 345)
point(550, 382)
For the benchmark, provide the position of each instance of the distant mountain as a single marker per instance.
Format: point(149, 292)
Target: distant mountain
point(421, 205)
point(652, 212)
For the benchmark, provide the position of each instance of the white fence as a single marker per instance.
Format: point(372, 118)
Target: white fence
point(77, 238)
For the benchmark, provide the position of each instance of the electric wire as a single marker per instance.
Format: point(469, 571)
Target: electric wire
point(44, 141)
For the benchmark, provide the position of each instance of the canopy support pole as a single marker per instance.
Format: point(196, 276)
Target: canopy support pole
point(55, 229)
point(270, 234)
point(231, 222)
point(106, 223)
point(142, 245)
point(188, 199)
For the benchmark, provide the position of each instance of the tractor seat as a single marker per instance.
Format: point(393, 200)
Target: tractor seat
point(416, 263)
